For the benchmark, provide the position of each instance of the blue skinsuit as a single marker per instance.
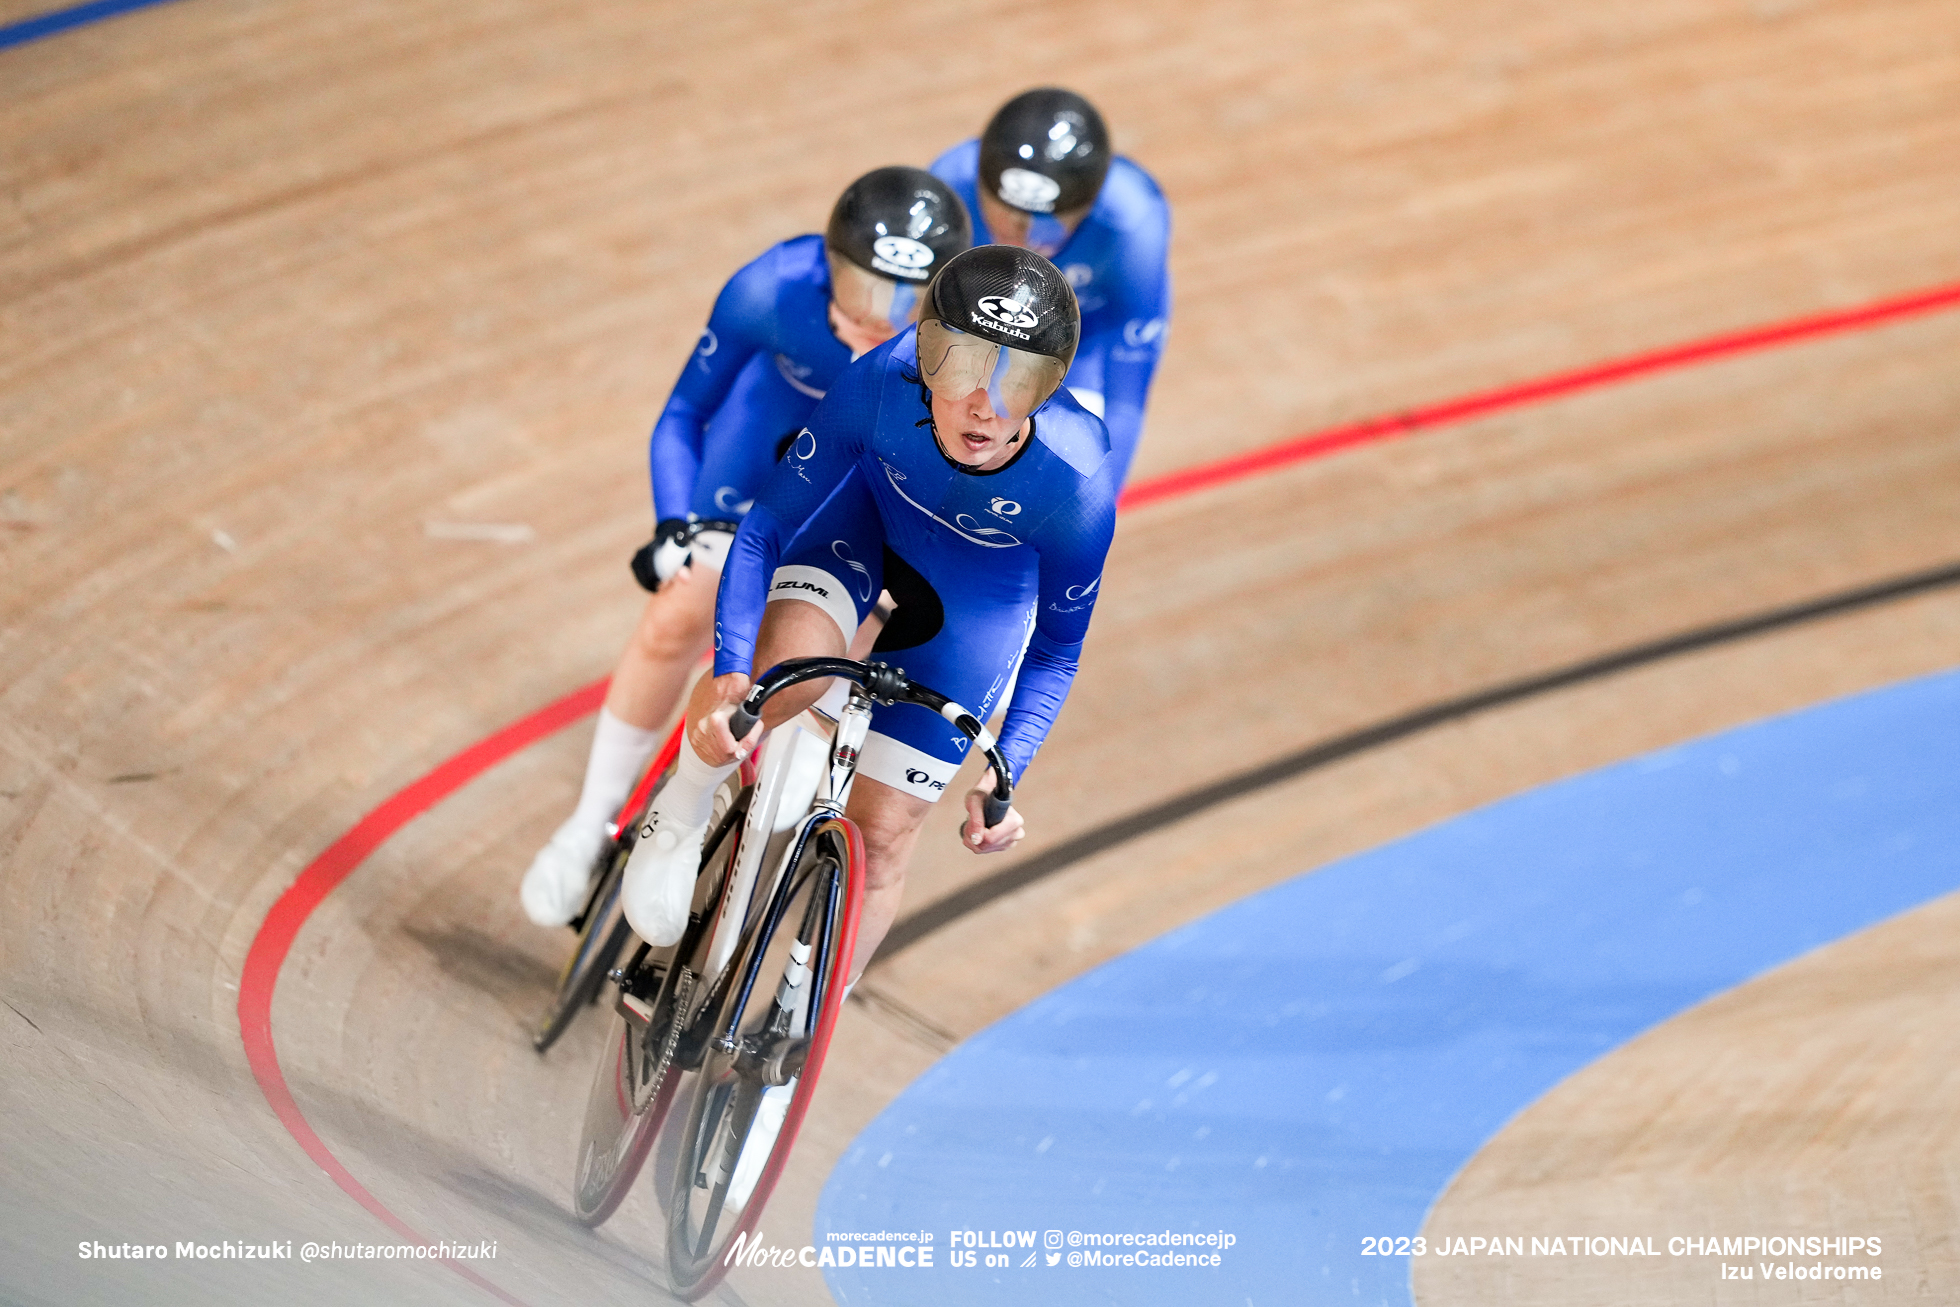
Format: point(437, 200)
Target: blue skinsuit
point(865, 498)
point(764, 361)
point(1116, 260)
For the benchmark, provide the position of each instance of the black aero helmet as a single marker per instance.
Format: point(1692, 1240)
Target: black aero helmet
point(1045, 151)
point(1003, 319)
point(890, 231)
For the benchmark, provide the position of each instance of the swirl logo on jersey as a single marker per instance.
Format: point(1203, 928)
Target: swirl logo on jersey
point(1080, 596)
point(1010, 311)
point(794, 372)
point(901, 256)
point(1141, 333)
point(1079, 274)
point(805, 446)
point(709, 344)
point(843, 551)
point(1029, 190)
point(1004, 508)
point(725, 501)
point(962, 525)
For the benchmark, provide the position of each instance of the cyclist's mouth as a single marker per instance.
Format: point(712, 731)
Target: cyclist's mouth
point(976, 442)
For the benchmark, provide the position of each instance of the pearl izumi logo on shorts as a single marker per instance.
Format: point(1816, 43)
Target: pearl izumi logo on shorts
point(914, 776)
point(1029, 190)
point(801, 585)
point(901, 256)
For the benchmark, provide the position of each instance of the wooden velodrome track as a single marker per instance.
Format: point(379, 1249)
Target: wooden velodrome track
point(332, 333)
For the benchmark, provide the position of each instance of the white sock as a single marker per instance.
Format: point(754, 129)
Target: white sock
point(689, 799)
point(619, 751)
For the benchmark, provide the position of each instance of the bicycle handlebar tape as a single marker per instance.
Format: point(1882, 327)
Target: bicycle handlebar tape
point(993, 810)
point(741, 721)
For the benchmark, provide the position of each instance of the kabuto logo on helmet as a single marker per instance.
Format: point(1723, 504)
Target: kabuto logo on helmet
point(1009, 311)
point(1029, 191)
point(901, 256)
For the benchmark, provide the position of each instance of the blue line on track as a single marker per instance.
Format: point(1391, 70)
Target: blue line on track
point(1313, 1065)
point(61, 20)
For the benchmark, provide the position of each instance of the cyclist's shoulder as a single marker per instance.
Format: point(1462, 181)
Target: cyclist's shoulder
point(1075, 461)
point(960, 165)
point(787, 269)
point(1131, 205)
point(862, 390)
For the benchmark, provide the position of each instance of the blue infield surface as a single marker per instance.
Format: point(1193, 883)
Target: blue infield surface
point(1311, 1066)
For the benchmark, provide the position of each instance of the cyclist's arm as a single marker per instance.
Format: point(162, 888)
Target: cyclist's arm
point(737, 330)
point(1142, 316)
point(816, 461)
point(1074, 544)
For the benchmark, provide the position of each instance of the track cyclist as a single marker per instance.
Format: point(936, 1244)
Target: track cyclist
point(950, 468)
point(1042, 176)
point(781, 331)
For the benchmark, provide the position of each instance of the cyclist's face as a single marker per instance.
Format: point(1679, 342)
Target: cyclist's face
point(972, 434)
point(1045, 234)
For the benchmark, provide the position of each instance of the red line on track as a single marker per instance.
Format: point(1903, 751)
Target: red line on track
point(282, 924)
point(1538, 391)
point(321, 877)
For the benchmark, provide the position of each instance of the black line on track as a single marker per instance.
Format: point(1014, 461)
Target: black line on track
point(913, 927)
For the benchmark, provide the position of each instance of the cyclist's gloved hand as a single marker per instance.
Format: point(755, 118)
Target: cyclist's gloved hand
point(974, 831)
point(662, 556)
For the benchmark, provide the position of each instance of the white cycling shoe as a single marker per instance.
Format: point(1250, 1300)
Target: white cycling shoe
point(659, 883)
point(560, 876)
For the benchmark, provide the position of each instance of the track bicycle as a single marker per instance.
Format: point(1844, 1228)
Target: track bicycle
point(735, 1019)
point(601, 925)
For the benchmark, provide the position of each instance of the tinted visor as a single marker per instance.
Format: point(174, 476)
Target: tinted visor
point(954, 364)
point(873, 302)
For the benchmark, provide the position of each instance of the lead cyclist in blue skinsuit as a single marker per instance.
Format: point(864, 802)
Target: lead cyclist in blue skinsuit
point(1042, 176)
point(950, 468)
point(782, 329)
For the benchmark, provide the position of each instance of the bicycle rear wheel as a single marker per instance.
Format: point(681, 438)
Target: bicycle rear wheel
point(634, 1084)
point(602, 937)
point(602, 928)
point(752, 1092)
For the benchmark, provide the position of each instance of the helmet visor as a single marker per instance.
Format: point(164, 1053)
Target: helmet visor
point(954, 364)
point(873, 302)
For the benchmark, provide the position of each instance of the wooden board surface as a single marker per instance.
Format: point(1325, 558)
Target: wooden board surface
point(288, 290)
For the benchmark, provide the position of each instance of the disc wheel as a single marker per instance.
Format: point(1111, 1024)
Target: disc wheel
point(749, 1100)
point(635, 1082)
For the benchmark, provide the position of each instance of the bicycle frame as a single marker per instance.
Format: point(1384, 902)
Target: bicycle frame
point(826, 804)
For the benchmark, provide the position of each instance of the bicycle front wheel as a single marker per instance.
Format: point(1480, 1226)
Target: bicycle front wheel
point(774, 1026)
